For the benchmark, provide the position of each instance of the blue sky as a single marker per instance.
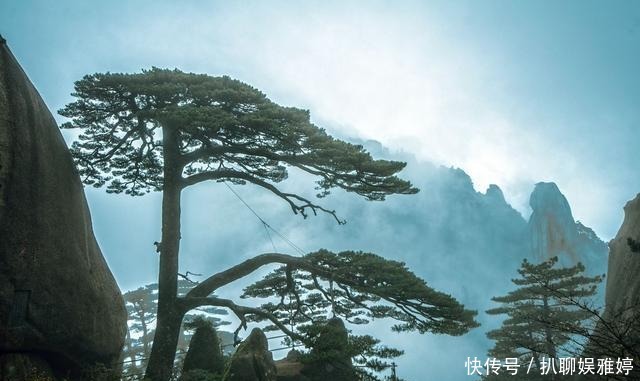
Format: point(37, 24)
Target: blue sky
point(513, 92)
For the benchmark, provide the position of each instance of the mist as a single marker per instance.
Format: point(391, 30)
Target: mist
point(468, 94)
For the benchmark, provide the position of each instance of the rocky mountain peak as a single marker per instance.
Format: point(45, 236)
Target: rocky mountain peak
point(552, 228)
point(495, 193)
point(547, 200)
point(554, 232)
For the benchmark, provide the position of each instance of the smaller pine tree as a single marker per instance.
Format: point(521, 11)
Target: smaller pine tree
point(543, 318)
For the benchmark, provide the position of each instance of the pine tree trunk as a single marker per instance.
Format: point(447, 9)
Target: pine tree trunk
point(130, 353)
point(160, 367)
point(551, 347)
point(145, 330)
point(169, 317)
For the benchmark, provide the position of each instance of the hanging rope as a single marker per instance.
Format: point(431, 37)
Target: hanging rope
point(266, 229)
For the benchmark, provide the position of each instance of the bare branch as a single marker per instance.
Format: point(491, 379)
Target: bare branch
point(245, 268)
point(297, 203)
point(189, 303)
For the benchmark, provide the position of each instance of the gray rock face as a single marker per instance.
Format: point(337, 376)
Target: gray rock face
point(290, 368)
point(623, 278)
point(204, 352)
point(495, 194)
point(618, 334)
point(20, 367)
point(552, 227)
point(329, 359)
point(252, 361)
point(554, 232)
point(58, 299)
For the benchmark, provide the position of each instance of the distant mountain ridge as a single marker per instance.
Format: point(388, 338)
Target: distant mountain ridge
point(463, 242)
point(551, 229)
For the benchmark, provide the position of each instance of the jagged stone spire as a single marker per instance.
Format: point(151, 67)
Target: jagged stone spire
point(552, 228)
point(554, 232)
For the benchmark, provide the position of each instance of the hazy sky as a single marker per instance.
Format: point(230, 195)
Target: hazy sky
point(513, 92)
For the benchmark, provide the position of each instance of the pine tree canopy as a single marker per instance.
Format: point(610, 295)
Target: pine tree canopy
point(165, 130)
point(543, 317)
point(358, 287)
point(227, 131)
point(363, 351)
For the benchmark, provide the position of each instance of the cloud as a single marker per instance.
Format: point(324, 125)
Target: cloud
point(501, 92)
point(491, 91)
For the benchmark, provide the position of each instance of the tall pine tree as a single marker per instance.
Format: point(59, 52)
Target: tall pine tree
point(141, 307)
point(166, 130)
point(543, 318)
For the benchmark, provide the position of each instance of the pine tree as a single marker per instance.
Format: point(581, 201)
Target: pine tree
point(303, 302)
point(141, 305)
point(543, 319)
point(166, 130)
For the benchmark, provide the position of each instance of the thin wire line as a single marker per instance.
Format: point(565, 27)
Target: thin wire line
point(265, 224)
point(287, 240)
point(266, 229)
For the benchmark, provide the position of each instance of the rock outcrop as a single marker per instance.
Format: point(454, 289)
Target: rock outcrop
point(623, 277)
point(290, 368)
point(618, 332)
point(59, 303)
point(252, 361)
point(551, 225)
point(554, 232)
point(329, 358)
point(204, 352)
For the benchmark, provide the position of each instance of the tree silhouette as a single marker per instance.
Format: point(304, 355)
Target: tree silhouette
point(141, 307)
point(205, 353)
point(303, 302)
point(166, 130)
point(351, 357)
point(542, 324)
